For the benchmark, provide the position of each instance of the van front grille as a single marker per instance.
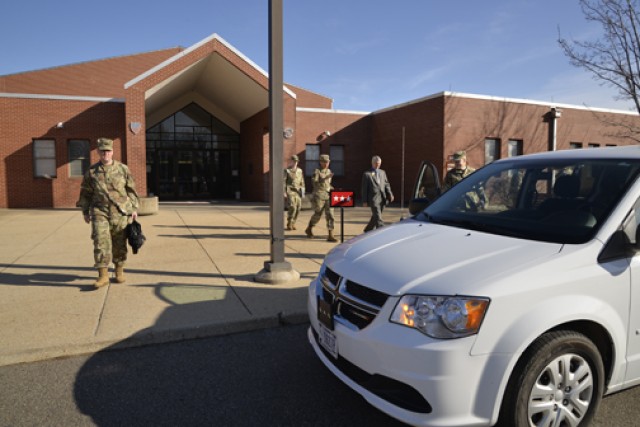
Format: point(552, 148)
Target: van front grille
point(353, 302)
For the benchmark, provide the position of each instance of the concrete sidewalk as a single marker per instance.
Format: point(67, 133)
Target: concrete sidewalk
point(192, 278)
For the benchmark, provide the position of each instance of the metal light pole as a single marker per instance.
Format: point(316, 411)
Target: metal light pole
point(402, 180)
point(276, 270)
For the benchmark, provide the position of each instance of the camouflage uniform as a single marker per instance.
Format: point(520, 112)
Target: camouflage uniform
point(320, 201)
point(454, 176)
point(473, 200)
point(108, 196)
point(294, 189)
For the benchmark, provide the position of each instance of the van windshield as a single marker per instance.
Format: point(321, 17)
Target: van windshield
point(555, 201)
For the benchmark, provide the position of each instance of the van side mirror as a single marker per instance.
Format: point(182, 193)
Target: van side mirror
point(618, 247)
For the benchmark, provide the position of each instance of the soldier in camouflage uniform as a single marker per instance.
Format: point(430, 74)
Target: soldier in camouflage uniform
point(293, 191)
point(473, 200)
point(107, 199)
point(320, 200)
point(460, 171)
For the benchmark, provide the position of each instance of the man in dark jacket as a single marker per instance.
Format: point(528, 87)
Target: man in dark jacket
point(376, 193)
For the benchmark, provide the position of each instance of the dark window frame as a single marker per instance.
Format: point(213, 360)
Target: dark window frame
point(37, 158)
point(311, 160)
point(81, 154)
point(496, 150)
point(337, 166)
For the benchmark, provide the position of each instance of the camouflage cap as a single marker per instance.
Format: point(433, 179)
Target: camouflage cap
point(105, 144)
point(324, 157)
point(459, 155)
point(295, 158)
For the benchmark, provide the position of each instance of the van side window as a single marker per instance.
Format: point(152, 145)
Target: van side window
point(631, 222)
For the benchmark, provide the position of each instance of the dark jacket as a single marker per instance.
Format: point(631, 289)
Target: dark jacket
point(375, 192)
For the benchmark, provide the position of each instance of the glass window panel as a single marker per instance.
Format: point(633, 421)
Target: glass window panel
point(336, 154)
point(76, 168)
point(514, 148)
point(44, 154)
point(167, 125)
point(221, 128)
point(491, 150)
point(78, 157)
point(193, 115)
point(312, 157)
point(45, 168)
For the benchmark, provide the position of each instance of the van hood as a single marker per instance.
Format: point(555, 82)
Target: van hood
point(419, 257)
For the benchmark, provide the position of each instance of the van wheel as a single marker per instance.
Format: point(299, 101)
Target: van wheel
point(559, 381)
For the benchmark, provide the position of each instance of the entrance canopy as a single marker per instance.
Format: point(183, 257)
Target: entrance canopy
point(214, 75)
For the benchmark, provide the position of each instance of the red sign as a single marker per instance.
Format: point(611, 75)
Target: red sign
point(342, 199)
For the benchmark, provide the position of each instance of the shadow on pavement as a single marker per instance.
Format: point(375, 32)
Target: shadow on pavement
point(264, 378)
point(48, 278)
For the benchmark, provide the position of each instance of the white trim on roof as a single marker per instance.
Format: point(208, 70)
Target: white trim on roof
point(190, 49)
point(60, 97)
point(330, 110)
point(500, 99)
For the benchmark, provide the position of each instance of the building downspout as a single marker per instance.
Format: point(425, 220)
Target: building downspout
point(554, 115)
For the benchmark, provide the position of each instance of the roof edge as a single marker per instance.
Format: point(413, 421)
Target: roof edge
point(502, 99)
point(60, 97)
point(330, 110)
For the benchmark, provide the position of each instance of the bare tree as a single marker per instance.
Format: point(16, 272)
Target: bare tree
point(614, 59)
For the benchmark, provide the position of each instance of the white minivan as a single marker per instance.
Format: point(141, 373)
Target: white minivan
point(512, 297)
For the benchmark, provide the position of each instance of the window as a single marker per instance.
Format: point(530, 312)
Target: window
point(78, 157)
point(593, 145)
point(312, 159)
point(44, 158)
point(514, 148)
point(491, 150)
point(575, 145)
point(336, 154)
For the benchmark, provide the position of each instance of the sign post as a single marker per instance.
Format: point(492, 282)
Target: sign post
point(342, 199)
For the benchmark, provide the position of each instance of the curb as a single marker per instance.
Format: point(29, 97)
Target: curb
point(147, 337)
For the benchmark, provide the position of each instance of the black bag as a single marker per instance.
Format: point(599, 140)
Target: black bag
point(135, 236)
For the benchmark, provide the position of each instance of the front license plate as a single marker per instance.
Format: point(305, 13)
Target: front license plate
point(328, 341)
point(325, 313)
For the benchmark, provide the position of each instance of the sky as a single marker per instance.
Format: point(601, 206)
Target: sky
point(364, 54)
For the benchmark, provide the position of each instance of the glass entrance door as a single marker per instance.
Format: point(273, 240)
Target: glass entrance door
point(185, 178)
point(166, 177)
point(193, 155)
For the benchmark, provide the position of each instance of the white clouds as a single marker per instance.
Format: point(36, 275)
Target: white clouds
point(427, 76)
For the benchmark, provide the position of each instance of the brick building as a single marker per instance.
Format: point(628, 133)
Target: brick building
point(193, 124)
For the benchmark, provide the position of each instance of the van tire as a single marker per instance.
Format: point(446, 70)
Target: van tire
point(553, 353)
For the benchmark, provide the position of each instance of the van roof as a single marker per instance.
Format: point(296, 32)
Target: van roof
point(631, 152)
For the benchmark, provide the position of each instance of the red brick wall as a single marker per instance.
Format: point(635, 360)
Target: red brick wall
point(135, 151)
point(423, 140)
point(347, 129)
point(306, 98)
point(254, 146)
point(470, 121)
point(23, 120)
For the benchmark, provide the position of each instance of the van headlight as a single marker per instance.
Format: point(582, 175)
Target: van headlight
point(441, 316)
